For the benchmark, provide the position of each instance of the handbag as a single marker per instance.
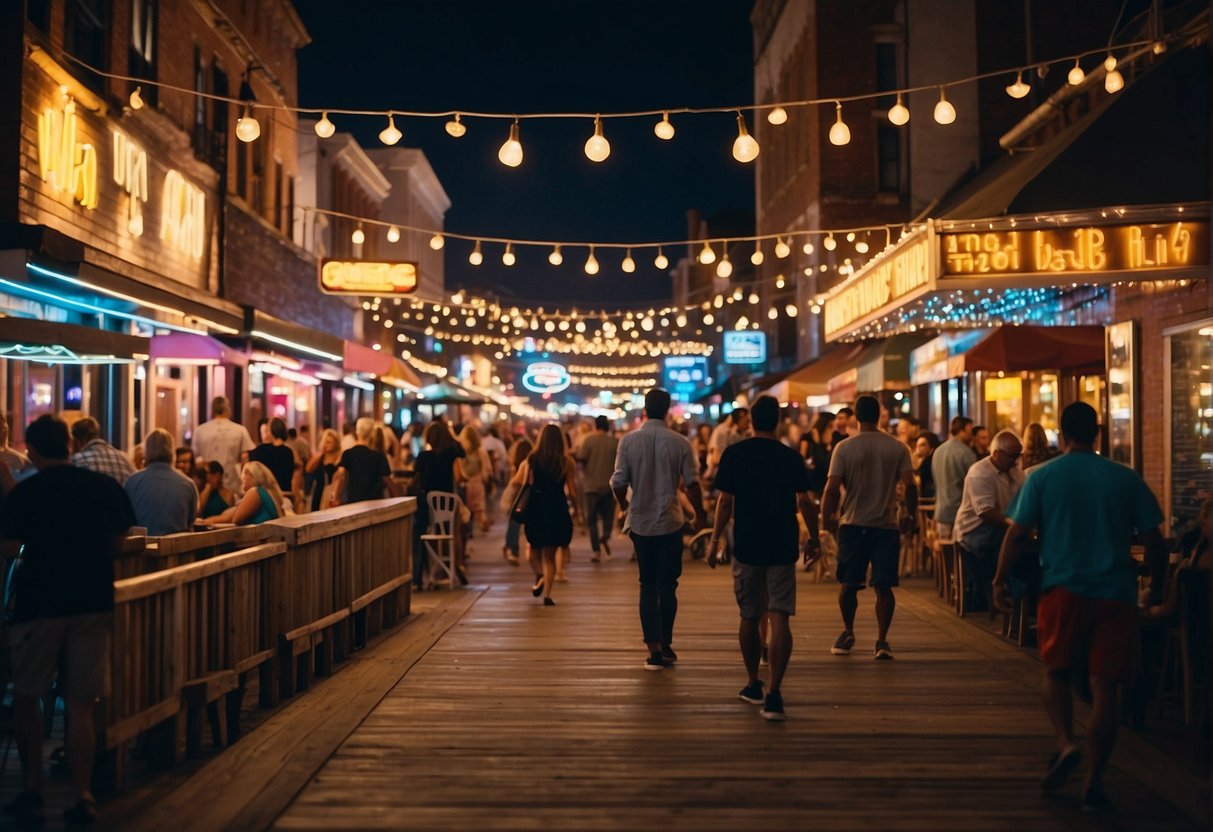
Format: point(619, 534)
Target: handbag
point(518, 509)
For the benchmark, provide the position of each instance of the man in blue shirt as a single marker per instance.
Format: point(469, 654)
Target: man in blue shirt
point(1085, 509)
point(165, 500)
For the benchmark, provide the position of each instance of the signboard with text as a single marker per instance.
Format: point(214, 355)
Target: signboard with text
point(685, 375)
point(368, 277)
point(745, 347)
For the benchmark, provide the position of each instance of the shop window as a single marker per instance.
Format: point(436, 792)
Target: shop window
point(1191, 412)
point(145, 15)
point(86, 37)
point(1004, 400)
point(1122, 392)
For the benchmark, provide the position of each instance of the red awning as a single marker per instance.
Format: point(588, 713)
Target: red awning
point(187, 348)
point(1015, 348)
point(360, 359)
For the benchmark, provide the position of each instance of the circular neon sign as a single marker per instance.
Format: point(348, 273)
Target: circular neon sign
point(545, 377)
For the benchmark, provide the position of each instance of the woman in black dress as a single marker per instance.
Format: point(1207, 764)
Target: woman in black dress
point(548, 526)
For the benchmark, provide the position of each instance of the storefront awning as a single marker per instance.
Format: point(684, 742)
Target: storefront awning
point(943, 357)
point(883, 365)
point(294, 339)
point(1016, 348)
point(59, 343)
point(812, 379)
point(186, 348)
point(444, 392)
point(362, 359)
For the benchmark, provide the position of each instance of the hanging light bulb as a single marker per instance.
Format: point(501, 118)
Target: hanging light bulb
point(757, 257)
point(455, 128)
point(663, 129)
point(706, 256)
point(324, 128)
point(510, 153)
point(724, 268)
point(1109, 63)
point(899, 114)
point(829, 243)
point(555, 258)
point(772, 313)
point(437, 242)
point(861, 247)
point(137, 98)
point(629, 265)
point(591, 263)
point(393, 234)
point(390, 135)
point(597, 148)
point(661, 261)
point(358, 237)
point(745, 148)
point(754, 299)
point(476, 257)
point(1113, 81)
point(850, 236)
point(840, 134)
point(945, 113)
point(807, 248)
point(777, 116)
point(780, 282)
point(790, 310)
point(1076, 75)
point(1019, 89)
point(247, 126)
point(508, 258)
point(709, 319)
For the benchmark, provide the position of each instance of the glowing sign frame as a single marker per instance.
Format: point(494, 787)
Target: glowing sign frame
point(545, 377)
point(368, 277)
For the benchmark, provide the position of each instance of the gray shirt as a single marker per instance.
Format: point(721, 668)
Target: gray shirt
point(165, 500)
point(870, 464)
point(652, 461)
point(949, 464)
point(597, 453)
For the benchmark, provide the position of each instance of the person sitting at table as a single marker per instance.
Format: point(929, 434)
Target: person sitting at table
point(1193, 550)
point(215, 498)
point(165, 499)
point(262, 498)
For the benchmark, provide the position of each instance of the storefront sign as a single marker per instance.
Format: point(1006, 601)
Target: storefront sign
point(685, 375)
point(880, 288)
point(67, 165)
point(1077, 251)
point(130, 174)
point(745, 347)
point(364, 277)
point(183, 216)
point(545, 377)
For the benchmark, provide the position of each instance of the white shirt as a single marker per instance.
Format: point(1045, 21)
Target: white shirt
point(652, 461)
point(223, 441)
point(985, 488)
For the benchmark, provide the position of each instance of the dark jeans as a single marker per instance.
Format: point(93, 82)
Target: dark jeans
point(660, 562)
point(599, 506)
point(980, 548)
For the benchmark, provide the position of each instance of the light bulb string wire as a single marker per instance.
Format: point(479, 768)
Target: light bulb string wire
point(622, 114)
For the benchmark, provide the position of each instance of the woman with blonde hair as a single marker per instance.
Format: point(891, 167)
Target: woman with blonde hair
point(262, 498)
point(472, 470)
point(549, 471)
point(322, 467)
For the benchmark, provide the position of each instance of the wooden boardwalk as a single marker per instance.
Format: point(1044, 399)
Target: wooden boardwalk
point(493, 712)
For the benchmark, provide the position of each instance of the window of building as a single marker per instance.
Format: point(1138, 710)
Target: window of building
point(259, 194)
point(86, 36)
point(888, 148)
point(145, 15)
point(38, 12)
point(279, 191)
point(201, 137)
point(217, 154)
point(886, 73)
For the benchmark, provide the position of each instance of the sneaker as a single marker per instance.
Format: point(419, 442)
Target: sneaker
point(772, 708)
point(1095, 799)
point(654, 661)
point(27, 805)
point(843, 644)
point(668, 655)
point(883, 652)
point(1060, 766)
point(751, 693)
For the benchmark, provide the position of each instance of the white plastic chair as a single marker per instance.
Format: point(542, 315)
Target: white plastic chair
point(439, 541)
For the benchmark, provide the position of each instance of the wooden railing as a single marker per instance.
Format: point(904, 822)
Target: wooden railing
point(188, 639)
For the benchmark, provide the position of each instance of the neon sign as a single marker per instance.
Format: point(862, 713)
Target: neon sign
point(130, 174)
point(891, 280)
point(67, 165)
point(363, 277)
point(183, 215)
point(545, 377)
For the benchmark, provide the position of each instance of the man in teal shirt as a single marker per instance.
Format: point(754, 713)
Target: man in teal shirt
point(1085, 509)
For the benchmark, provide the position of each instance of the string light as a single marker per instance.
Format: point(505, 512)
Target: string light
point(455, 128)
point(791, 310)
point(777, 116)
point(1109, 63)
point(840, 134)
point(597, 148)
point(661, 261)
point(899, 114)
point(510, 153)
point(359, 236)
point(706, 256)
point(663, 129)
point(745, 148)
point(393, 234)
point(1076, 76)
point(508, 258)
point(629, 265)
point(556, 258)
point(325, 128)
point(782, 249)
point(1019, 89)
point(724, 268)
point(591, 263)
point(437, 242)
point(247, 126)
point(476, 257)
point(829, 243)
point(945, 113)
point(390, 135)
point(757, 257)
point(1113, 81)
point(807, 248)
point(136, 99)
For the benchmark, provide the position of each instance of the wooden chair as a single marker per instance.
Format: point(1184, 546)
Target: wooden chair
point(439, 541)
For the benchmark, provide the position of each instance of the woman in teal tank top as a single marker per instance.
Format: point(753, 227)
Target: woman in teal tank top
point(262, 498)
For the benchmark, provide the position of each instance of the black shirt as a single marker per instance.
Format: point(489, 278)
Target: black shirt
point(364, 473)
point(435, 471)
point(764, 476)
point(279, 459)
point(67, 518)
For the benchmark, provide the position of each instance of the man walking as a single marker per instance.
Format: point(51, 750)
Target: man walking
point(762, 482)
point(95, 454)
point(981, 523)
point(223, 441)
point(868, 465)
point(1086, 509)
point(70, 520)
point(949, 464)
point(652, 461)
point(597, 455)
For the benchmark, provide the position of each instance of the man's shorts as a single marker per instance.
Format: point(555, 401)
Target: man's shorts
point(1073, 630)
point(762, 589)
point(76, 647)
point(859, 546)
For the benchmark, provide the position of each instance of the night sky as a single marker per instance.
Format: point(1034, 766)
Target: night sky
point(549, 56)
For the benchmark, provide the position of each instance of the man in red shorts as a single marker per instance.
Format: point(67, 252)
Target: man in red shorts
point(1085, 509)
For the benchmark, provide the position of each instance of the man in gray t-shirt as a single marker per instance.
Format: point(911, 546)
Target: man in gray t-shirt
point(597, 455)
point(949, 465)
point(868, 465)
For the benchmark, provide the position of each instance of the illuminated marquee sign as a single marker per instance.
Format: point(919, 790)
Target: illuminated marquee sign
point(183, 215)
point(364, 277)
point(67, 165)
point(130, 174)
point(1077, 251)
point(745, 347)
point(893, 279)
point(545, 377)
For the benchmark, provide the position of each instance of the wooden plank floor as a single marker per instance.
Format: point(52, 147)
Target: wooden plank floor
point(525, 717)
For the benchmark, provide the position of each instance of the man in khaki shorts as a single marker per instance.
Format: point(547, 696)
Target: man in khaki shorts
point(762, 482)
point(70, 521)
